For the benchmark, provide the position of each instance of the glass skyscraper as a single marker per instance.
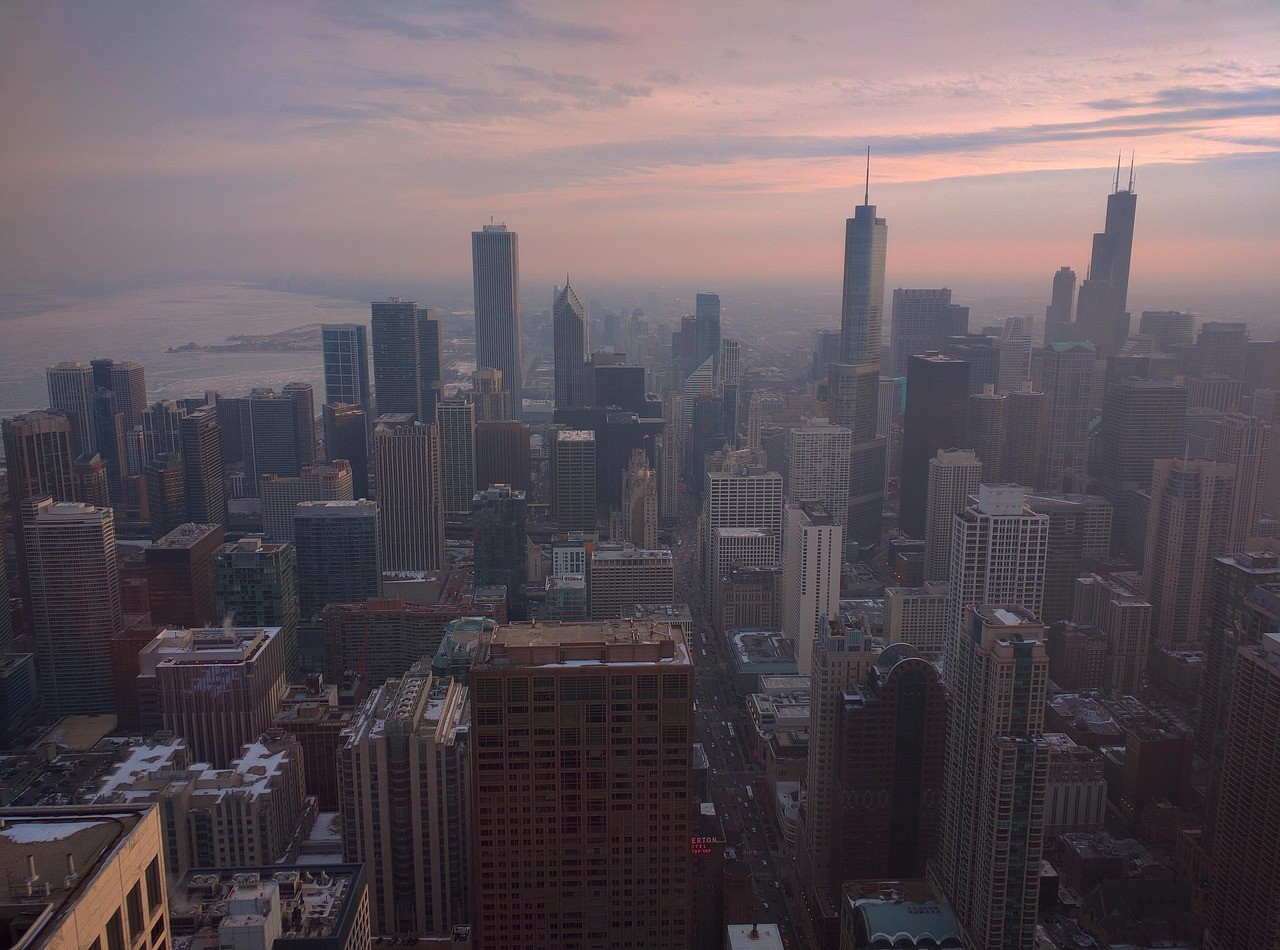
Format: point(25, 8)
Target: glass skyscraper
point(495, 264)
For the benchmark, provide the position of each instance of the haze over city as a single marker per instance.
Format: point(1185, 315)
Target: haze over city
point(709, 143)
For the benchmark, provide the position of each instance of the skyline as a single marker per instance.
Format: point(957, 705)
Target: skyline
point(626, 144)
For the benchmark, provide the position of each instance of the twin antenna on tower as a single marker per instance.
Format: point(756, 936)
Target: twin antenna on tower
point(1117, 187)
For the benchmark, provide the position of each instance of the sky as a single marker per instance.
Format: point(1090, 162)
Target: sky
point(696, 141)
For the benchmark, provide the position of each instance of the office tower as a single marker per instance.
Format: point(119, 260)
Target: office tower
point(69, 563)
point(38, 456)
point(1068, 383)
point(573, 479)
point(999, 548)
point(1101, 316)
point(162, 430)
point(1244, 443)
point(277, 432)
point(503, 455)
point(1059, 313)
point(818, 466)
point(6, 614)
point(218, 687)
point(1215, 391)
point(954, 475)
point(916, 616)
point(854, 381)
point(499, 513)
point(495, 268)
point(88, 887)
point(456, 417)
point(569, 326)
point(89, 481)
point(339, 556)
point(127, 382)
point(202, 466)
point(640, 502)
point(826, 350)
point(281, 495)
point(1187, 525)
point(397, 374)
point(889, 761)
point(618, 385)
point(255, 584)
point(813, 548)
point(304, 420)
point(1079, 532)
point(492, 401)
point(1142, 420)
point(346, 436)
point(430, 364)
point(706, 345)
point(630, 781)
point(406, 468)
point(109, 430)
point(982, 353)
point(842, 657)
point(382, 637)
point(620, 578)
point(937, 401)
point(1123, 613)
point(995, 776)
point(1245, 877)
point(760, 410)
point(739, 498)
point(986, 429)
point(1223, 348)
point(1015, 354)
point(180, 576)
point(166, 495)
point(406, 802)
point(1168, 328)
point(922, 321)
point(346, 364)
point(1026, 422)
point(730, 362)
point(71, 392)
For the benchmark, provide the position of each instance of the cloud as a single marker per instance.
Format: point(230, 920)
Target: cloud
point(468, 21)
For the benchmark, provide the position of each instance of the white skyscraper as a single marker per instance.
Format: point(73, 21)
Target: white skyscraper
point(954, 475)
point(71, 390)
point(813, 546)
point(818, 456)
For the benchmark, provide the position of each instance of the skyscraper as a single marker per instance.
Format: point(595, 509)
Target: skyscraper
point(255, 584)
point(180, 576)
point(456, 416)
point(854, 381)
point(1168, 328)
point(406, 466)
point(628, 781)
point(346, 436)
point(639, 516)
point(281, 495)
point(495, 268)
point(986, 429)
point(1061, 306)
point(69, 554)
point(954, 475)
point(38, 455)
point(1079, 531)
point(127, 382)
point(502, 454)
point(706, 343)
point(1244, 443)
point(937, 404)
point(1223, 348)
point(1101, 317)
point(922, 321)
point(346, 364)
point(569, 327)
point(500, 514)
point(202, 466)
point(396, 373)
point(818, 466)
point(812, 548)
point(995, 776)
point(166, 494)
point(493, 401)
point(1068, 382)
point(71, 391)
point(1026, 419)
point(339, 555)
point(573, 479)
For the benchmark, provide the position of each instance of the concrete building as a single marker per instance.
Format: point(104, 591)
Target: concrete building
point(1079, 532)
point(618, 579)
point(922, 320)
point(986, 430)
point(281, 494)
point(94, 878)
point(748, 597)
point(339, 556)
point(1026, 426)
point(1068, 384)
point(917, 616)
point(491, 399)
point(573, 479)
point(1123, 613)
point(202, 466)
point(639, 516)
point(812, 548)
point(583, 886)
point(1075, 798)
point(456, 416)
point(503, 455)
point(180, 576)
point(406, 466)
point(741, 548)
point(954, 475)
point(38, 457)
point(818, 459)
point(406, 802)
point(495, 271)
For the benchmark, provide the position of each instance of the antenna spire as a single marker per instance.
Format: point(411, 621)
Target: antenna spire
point(1118, 154)
point(866, 194)
point(1131, 154)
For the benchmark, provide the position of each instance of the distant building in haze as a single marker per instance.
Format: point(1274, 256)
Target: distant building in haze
point(569, 327)
point(922, 321)
point(495, 269)
point(937, 402)
point(406, 464)
point(346, 364)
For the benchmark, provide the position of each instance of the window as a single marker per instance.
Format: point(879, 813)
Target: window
point(134, 903)
point(154, 894)
point(115, 932)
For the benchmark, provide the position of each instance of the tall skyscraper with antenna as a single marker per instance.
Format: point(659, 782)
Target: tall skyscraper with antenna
point(1102, 317)
point(854, 381)
point(495, 269)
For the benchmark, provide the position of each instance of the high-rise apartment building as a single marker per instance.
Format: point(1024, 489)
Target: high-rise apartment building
point(346, 364)
point(610, 773)
point(1245, 875)
point(69, 555)
point(339, 554)
point(954, 475)
point(917, 616)
point(1026, 423)
point(406, 466)
point(1245, 443)
point(999, 549)
point(180, 576)
point(346, 437)
point(573, 479)
point(1068, 383)
point(499, 513)
point(218, 687)
point(406, 802)
point(818, 455)
point(38, 457)
point(995, 776)
point(1015, 354)
point(569, 327)
point(922, 321)
point(495, 269)
point(986, 430)
point(503, 455)
point(255, 584)
point(937, 402)
point(1123, 613)
point(982, 352)
point(71, 392)
point(1187, 524)
point(812, 552)
point(456, 417)
point(202, 466)
point(166, 494)
point(281, 495)
point(1061, 307)
point(1079, 531)
point(854, 381)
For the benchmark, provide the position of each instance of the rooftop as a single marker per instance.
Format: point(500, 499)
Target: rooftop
point(595, 642)
point(185, 535)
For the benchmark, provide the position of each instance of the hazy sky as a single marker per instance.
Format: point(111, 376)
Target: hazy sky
point(692, 141)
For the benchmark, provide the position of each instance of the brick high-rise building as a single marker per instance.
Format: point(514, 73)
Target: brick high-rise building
point(180, 576)
point(601, 858)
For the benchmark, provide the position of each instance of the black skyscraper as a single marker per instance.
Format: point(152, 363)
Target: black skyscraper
point(937, 402)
